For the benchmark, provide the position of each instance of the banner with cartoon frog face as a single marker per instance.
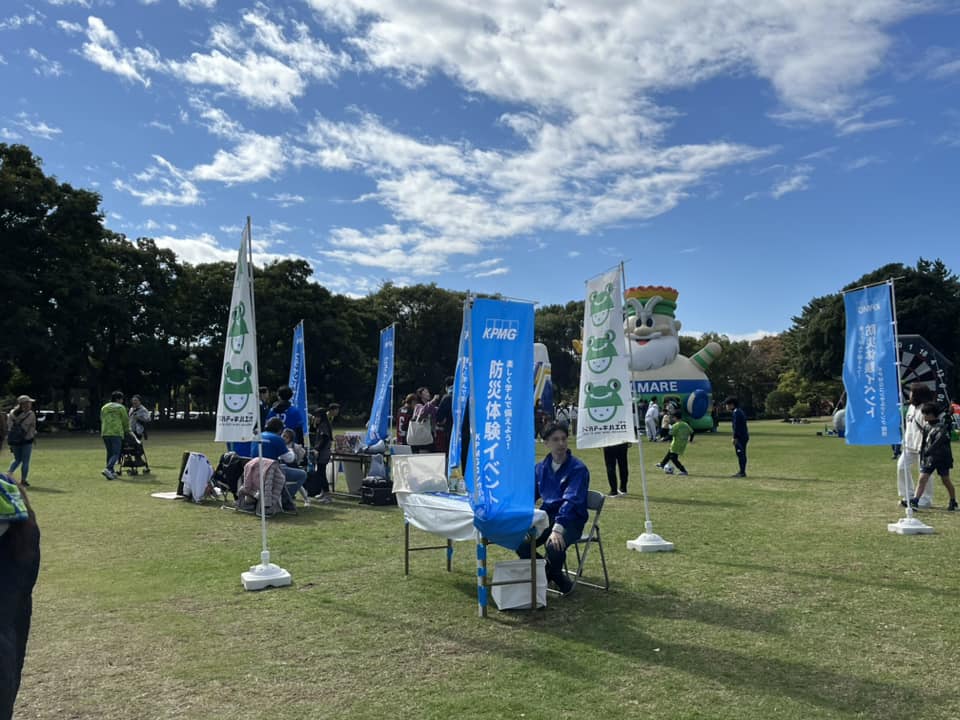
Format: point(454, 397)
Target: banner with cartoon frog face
point(238, 412)
point(605, 413)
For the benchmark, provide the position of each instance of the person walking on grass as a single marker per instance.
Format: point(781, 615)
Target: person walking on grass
point(114, 424)
point(935, 455)
point(22, 429)
point(680, 433)
point(741, 436)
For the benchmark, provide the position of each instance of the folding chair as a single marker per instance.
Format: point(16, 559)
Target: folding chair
point(590, 537)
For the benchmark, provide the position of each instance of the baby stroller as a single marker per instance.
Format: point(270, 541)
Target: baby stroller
point(132, 455)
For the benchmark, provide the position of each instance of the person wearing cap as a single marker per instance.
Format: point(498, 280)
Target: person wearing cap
point(561, 481)
point(19, 567)
point(21, 430)
point(114, 424)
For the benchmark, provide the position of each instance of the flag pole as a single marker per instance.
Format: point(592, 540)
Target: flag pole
point(265, 574)
point(648, 540)
point(908, 525)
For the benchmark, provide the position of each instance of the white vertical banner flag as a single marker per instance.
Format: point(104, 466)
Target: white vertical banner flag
point(605, 413)
point(238, 409)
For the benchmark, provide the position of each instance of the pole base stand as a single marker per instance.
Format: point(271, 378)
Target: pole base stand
point(649, 542)
point(265, 575)
point(909, 526)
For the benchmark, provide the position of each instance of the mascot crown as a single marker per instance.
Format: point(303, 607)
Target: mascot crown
point(668, 298)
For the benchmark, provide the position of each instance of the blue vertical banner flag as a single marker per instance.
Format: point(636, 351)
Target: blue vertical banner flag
point(501, 418)
point(298, 376)
point(461, 394)
point(379, 424)
point(871, 367)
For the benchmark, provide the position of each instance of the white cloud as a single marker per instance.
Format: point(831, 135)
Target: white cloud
point(37, 128)
point(798, 180)
point(255, 157)
point(492, 273)
point(859, 126)
point(160, 126)
point(45, 66)
point(60, 3)
point(103, 49)
point(946, 70)
point(70, 27)
point(208, 4)
point(287, 199)
point(171, 186)
point(793, 179)
point(15, 22)
point(261, 80)
point(9, 135)
point(862, 162)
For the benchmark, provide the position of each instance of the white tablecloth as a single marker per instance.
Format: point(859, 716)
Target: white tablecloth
point(448, 515)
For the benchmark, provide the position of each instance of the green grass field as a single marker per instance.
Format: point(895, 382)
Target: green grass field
point(786, 598)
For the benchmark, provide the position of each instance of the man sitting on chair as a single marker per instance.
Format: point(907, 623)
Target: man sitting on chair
point(562, 481)
point(275, 448)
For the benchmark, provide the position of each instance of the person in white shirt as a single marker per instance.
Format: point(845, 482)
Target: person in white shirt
point(909, 459)
point(651, 420)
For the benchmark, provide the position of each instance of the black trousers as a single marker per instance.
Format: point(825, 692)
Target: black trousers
point(614, 457)
point(19, 566)
point(672, 457)
point(741, 449)
point(317, 480)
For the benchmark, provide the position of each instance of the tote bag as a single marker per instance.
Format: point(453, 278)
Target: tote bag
point(419, 431)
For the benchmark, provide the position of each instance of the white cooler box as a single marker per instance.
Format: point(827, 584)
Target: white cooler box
point(517, 597)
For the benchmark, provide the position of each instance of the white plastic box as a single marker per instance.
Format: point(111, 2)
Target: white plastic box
point(517, 597)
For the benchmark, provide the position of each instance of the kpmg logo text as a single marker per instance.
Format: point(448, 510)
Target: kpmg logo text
point(499, 329)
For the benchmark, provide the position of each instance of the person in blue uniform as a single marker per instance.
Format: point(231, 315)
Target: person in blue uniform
point(561, 482)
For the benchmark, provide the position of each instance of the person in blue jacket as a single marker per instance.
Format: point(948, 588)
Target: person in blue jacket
point(741, 436)
point(561, 481)
point(274, 448)
point(291, 415)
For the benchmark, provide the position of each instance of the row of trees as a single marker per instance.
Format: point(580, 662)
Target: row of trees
point(86, 310)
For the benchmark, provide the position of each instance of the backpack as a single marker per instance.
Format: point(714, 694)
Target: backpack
point(17, 435)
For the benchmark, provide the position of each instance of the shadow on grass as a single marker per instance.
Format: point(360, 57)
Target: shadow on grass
point(857, 581)
point(584, 619)
point(33, 489)
point(686, 501)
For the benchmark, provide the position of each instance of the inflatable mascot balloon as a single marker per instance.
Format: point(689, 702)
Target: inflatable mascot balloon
point(658, 370)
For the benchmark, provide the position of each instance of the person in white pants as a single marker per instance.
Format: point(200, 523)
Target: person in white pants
point(651, 420)
point(909, 460)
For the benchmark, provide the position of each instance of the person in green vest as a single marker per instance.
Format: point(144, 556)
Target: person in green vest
point(114, 424)
point(680, 433)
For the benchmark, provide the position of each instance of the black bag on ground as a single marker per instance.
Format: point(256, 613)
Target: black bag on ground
point(229, 472)
point(377, 491)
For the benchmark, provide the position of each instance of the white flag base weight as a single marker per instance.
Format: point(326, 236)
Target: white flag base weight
point(909, 526)
point(265, 575)
point(649, 541)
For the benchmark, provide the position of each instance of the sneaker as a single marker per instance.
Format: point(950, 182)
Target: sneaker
point(565, 585)
point(738, 475)
point(658, 466)
point(325, 500)
point(914, 503)
point(25, 483)
point(952, 506)
point(109, 475)
point(684, 472)
point(623, 491)
point(903, 503)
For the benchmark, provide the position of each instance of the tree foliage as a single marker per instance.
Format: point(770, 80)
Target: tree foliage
point(86, 310)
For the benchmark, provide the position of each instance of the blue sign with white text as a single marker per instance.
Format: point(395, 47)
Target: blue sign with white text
point(461, 393)
point(871, 368)
point(298, 376)
point(379, 423)
point(501, 370)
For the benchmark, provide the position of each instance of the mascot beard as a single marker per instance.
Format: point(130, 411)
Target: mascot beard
point(653, 353)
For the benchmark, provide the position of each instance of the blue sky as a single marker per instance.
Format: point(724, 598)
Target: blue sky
point(751, 154)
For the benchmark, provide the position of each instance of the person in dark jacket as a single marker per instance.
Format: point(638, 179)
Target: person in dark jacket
point(317, 484)
point(741, 436)
point(19, 566)
point(561, 482)
point(935, 454)
point(291, 415)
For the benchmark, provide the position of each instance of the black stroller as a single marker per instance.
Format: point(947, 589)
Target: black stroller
point(132, 455)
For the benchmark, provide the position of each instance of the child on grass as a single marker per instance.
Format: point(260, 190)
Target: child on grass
point(935, 454)
point(680, 433)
